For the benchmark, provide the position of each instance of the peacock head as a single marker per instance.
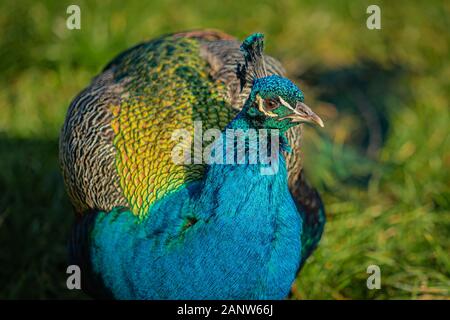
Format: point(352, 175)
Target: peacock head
point(274, 101)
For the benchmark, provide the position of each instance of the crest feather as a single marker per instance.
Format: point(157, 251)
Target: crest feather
point(254, 67)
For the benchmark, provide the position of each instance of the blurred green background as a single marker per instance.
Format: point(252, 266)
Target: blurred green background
point(381, 163)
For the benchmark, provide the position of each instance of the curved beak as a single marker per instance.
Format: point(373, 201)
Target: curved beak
point(302, 113)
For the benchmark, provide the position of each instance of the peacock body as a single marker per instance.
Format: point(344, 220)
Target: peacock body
point(150, 228)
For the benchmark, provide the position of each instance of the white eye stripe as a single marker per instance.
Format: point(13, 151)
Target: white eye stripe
point(285, 103)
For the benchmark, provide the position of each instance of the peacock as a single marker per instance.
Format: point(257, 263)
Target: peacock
point(237, 222)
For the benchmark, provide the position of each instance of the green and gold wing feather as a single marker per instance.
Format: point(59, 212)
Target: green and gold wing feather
point(168, 87)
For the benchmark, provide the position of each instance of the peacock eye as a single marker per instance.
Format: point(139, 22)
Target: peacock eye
point(271, 104)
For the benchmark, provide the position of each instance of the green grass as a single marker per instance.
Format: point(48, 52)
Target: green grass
point(381, 163)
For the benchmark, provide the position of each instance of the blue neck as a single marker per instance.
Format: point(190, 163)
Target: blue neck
point(234, 185)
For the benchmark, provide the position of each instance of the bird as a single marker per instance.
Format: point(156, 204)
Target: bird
point(149, 227)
